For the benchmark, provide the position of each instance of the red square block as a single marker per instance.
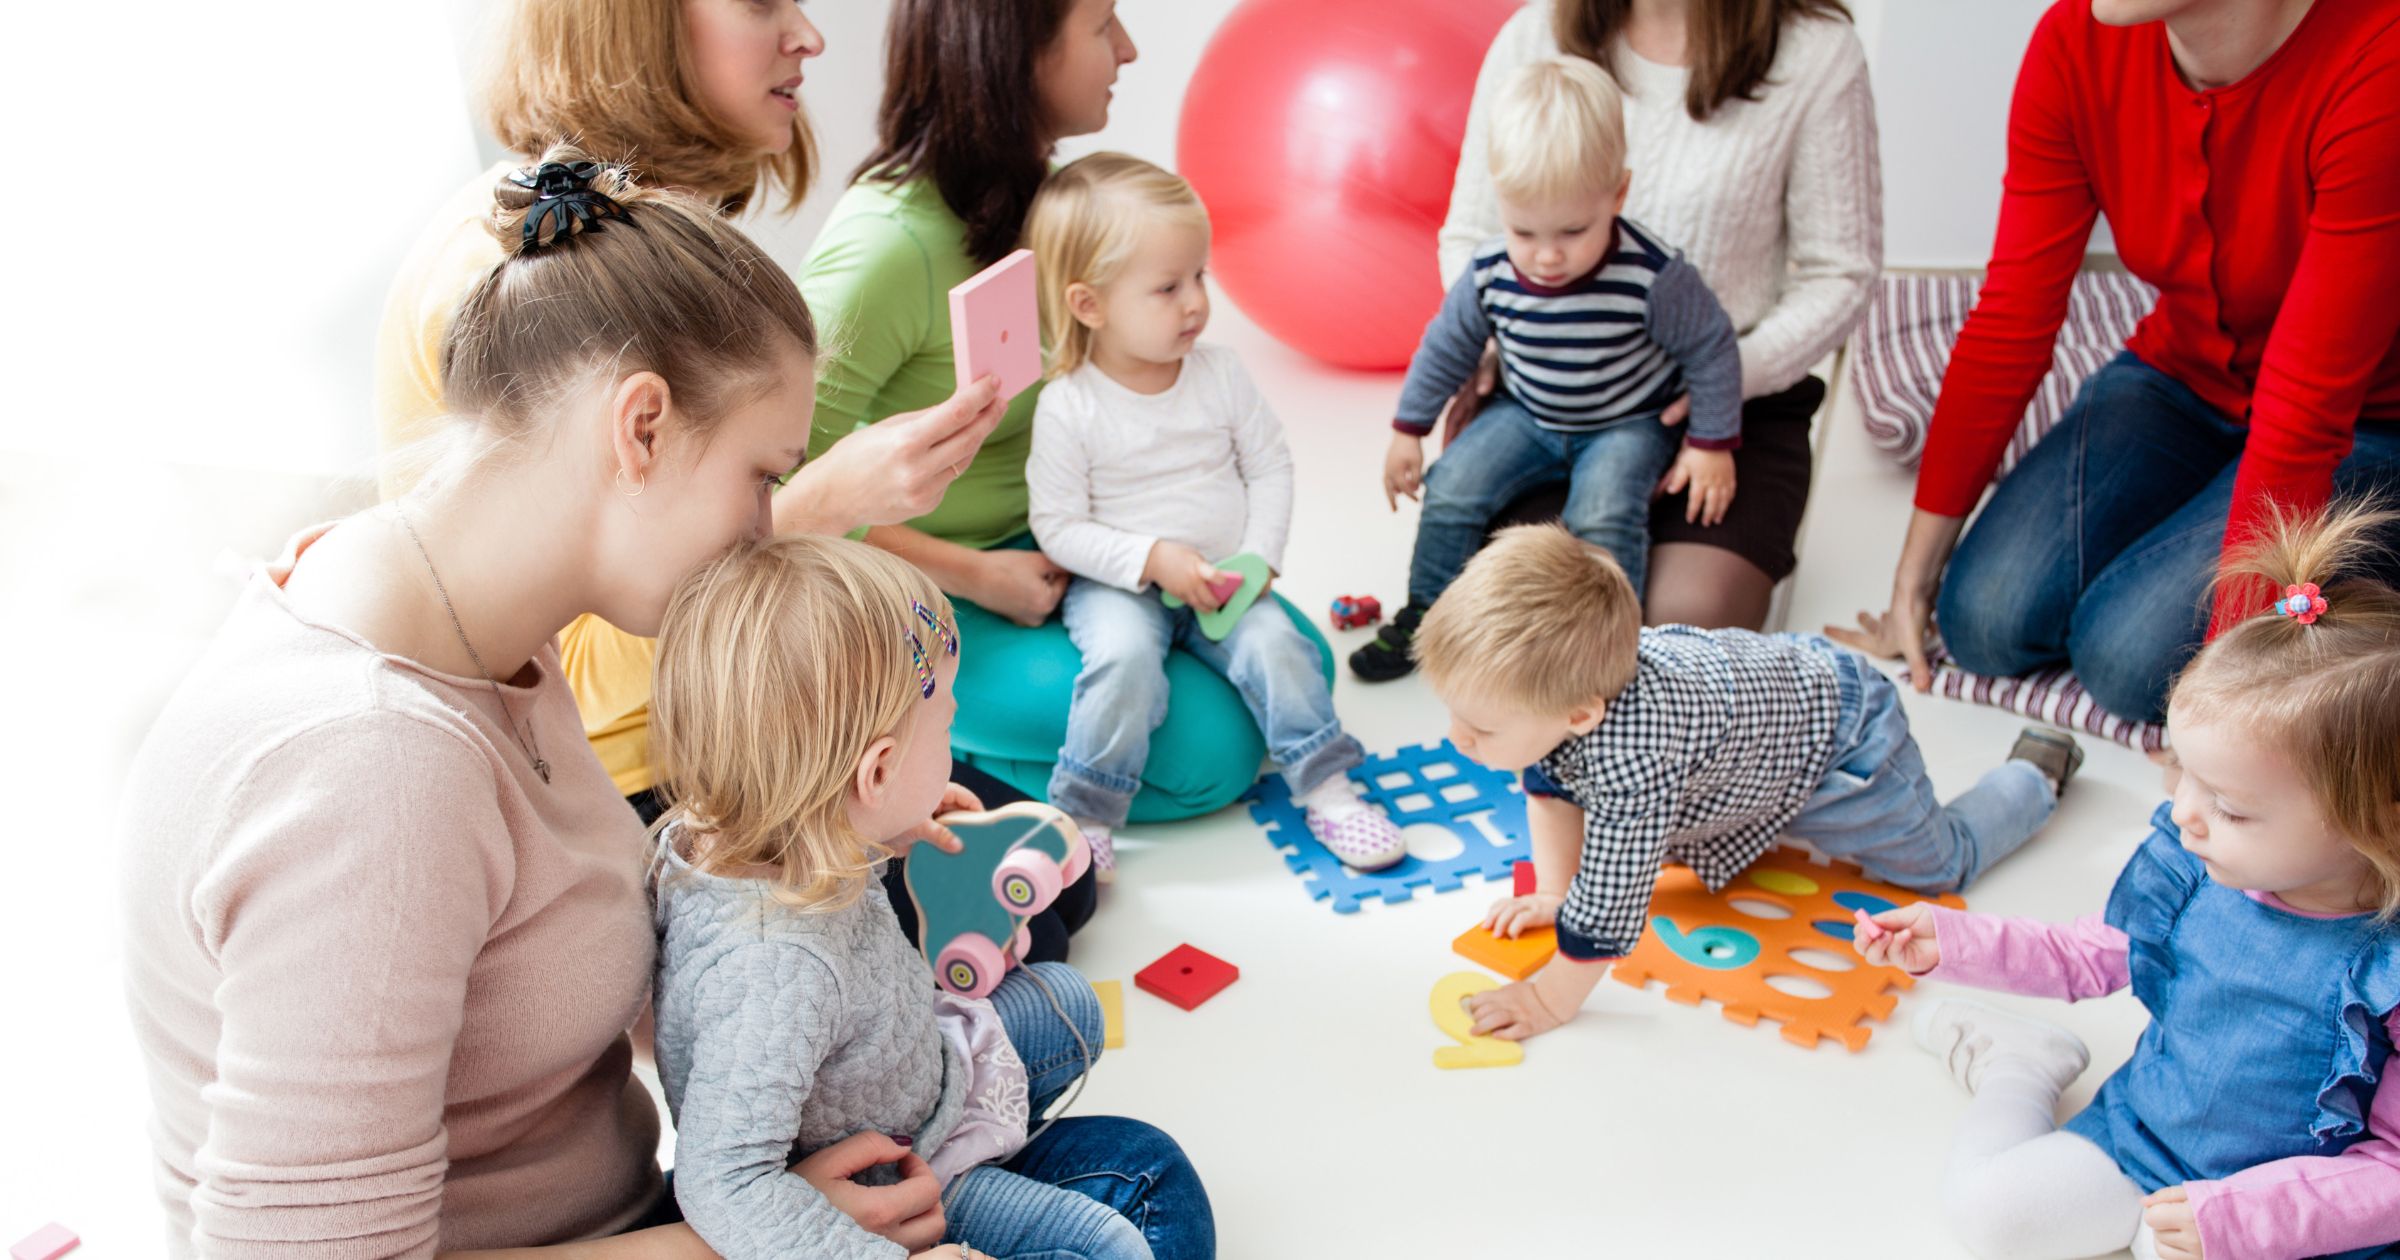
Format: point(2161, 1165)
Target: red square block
point(1523, 871)
point(1187, 976)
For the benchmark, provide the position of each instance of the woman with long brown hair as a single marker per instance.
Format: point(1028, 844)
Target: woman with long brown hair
point(1750, 132)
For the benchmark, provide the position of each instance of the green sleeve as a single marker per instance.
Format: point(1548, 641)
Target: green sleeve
point(870, 284)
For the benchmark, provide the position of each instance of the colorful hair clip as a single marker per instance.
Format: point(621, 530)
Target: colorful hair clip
point(2301, 603)
point(916, 646)
point(563, 196)
point(940, 631)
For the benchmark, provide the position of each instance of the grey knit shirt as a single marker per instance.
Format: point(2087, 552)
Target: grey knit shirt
point(781, 1033)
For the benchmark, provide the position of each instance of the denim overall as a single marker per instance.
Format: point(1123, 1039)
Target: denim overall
point(2266, 1034)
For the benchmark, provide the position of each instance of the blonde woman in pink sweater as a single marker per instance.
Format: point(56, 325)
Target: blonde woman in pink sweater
point(388, 923)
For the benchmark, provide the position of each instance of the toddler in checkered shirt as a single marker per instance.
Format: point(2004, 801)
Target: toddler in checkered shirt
point(1645, 745)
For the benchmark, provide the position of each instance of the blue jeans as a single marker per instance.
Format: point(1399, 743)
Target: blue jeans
point(1876, 807)
point(1086, 1188)
point(1121, 695)
point(2098, 548)
point(1609, 474)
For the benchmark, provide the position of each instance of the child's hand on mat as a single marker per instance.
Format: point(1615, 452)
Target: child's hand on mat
point(955, 799)
point(1403, 469)
point(1183, 573)
point(1515, 916)
point(1513, 1012)
point(1902, 938)
point(2168, 1213)
point(1023, 586)
point(1709, 476)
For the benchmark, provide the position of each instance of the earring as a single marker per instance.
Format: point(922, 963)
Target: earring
point(638, 486)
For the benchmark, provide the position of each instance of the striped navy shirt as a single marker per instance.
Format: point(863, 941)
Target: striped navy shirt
point(1620, 344)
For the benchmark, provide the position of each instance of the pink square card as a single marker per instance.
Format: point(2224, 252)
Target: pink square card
point(995, 325)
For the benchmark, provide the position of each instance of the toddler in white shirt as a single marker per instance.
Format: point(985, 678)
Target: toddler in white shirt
point(1152, 456)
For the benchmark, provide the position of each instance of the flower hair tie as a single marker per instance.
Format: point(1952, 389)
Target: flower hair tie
point(564, 198)
point(2301, 603)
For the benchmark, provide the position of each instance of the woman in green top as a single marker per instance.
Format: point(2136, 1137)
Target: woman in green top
point(976, 94)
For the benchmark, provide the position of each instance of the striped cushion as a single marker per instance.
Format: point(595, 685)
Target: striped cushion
point(2045, 695)
point(1904, 347)
point(1901, 353)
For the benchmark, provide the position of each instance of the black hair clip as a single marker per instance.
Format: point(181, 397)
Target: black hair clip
point(564, 197)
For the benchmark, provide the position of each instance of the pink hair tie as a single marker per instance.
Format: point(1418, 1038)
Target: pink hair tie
point(2301, 603)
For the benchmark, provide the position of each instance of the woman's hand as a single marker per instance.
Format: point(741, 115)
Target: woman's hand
point(895, 470)
point(1902, 938)
point(1403, 469)
point(955, 799)
point(1901, 630)
point(909, 1213)
point(1023, 586)
point(2168, 1213)
point(1515, 916)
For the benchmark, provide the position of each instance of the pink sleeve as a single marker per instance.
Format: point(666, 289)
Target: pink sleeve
point(2084, 959)
point(2310, 1205)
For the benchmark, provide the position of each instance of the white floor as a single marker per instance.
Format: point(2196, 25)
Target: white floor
point(1304, 1092)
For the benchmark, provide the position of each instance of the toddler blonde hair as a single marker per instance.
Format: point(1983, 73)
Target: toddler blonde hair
point(778, 664)
point(1558, 131)
point(2325, 691)
point(1540, 620)
point(1084, 223)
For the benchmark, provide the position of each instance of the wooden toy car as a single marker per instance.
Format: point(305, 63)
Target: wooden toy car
point(972, 905)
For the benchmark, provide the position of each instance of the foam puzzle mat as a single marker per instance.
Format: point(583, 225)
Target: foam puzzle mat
point(1428, 784)
point(1774, 945)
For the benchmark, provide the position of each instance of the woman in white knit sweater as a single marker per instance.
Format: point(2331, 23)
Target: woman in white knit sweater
point(1751, 137)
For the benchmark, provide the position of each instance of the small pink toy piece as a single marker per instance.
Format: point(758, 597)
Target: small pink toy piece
point(47, 1243)
point(1226, 585)
point(995, 325)
point(1875, 931)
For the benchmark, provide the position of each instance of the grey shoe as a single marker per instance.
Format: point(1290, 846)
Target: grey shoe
point(2053, 752)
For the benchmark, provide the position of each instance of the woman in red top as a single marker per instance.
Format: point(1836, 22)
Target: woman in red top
point(2247, 155)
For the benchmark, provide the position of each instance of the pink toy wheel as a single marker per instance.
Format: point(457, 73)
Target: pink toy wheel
point(970, 966)
point(1026, 882)
point(1079, 860)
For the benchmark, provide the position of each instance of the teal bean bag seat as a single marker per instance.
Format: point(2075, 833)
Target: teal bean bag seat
point(1014, 685)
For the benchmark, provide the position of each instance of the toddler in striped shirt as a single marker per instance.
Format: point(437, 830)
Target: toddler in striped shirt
point(1607, 341)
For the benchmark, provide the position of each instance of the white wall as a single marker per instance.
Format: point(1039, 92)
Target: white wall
point(202, 266)
point(206, 206)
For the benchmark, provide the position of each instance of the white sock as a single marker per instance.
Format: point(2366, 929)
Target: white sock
point(1333, 797)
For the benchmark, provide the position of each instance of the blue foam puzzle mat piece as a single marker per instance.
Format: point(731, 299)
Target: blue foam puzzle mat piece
point(1438, 785)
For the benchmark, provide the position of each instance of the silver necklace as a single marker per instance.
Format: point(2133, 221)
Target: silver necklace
point(532, 749)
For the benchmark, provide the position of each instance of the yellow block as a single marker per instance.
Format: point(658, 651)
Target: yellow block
point(1112, 1011)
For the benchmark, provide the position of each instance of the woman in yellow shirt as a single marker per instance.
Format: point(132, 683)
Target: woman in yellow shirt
point(702, 96)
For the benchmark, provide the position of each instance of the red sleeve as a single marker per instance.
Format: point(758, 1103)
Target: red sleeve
point(2047, 208)
point(2337, 319)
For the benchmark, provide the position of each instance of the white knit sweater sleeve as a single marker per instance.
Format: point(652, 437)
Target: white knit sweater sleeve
point(1265, 462)
point(1833, 224)
point(1058, 486)
point(1474, 208)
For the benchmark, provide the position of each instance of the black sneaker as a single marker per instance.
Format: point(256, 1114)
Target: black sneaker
point(2054, 753)
point(1387, 657)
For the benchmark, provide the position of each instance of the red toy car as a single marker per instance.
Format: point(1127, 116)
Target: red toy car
point(1352, 611)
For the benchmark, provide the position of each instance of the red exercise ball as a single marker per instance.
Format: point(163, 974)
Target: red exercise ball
point(1323, 135)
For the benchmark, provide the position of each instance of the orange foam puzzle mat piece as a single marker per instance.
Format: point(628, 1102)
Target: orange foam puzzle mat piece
point(1775, 944)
